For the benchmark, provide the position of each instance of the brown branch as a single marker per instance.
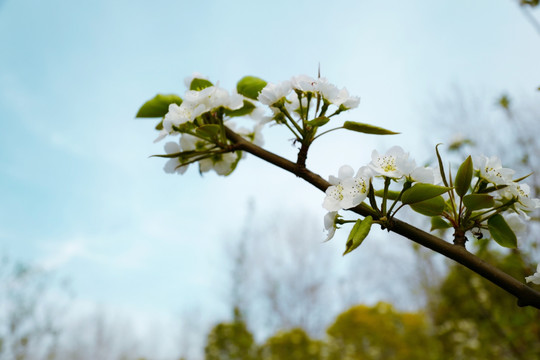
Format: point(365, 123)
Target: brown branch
point(526, 296)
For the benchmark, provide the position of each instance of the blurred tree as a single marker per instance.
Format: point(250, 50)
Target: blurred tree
point(472, 319)
point(31, 304)
point(283, 278)
point(294, 344)
point(231, 341)
point(381, 332)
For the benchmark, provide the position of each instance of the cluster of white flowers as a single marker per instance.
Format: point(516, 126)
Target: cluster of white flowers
point(221, 163)
point(196, 103)
point(349, 190)
point(275, 95)
point(490, 170)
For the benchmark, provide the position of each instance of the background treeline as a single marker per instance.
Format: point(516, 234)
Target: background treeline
point(465, 318)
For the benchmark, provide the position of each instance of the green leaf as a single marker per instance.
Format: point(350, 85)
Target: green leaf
point(478, 201)
point(246, 109)
point(431, 207)
point(420, 192)
point(199, 84)
point(366, 128)
point(358, 233)
point(250, 86)
point(464, 177)
point(437, 223)
point(209, 131)
point(320, 121)
point(501, 232)
point(158, 106)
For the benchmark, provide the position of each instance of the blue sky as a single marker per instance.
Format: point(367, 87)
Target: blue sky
point(79, 193)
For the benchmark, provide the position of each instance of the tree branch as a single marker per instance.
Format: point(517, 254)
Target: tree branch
point(525, 295)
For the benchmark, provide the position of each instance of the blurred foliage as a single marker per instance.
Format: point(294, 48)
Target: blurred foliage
point(474, 319)
point(466, 318)
point(231, 341)
point(381, 332)
point(294, 344)
point(30, 310)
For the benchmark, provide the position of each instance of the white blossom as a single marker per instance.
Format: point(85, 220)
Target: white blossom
point(272, 93)
point(335, 96)
point(535, 278)
point(426, 175)
point(330, 224)
point(521, 193)
point(492, 171)
point(394, 164)
point(304, 83)
point(347, 191)
point(173, 165)
point(180, 114)
point(222, 164)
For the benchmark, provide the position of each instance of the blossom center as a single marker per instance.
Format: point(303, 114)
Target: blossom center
point(387, 163)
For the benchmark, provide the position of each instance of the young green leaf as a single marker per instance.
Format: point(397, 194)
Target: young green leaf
point(183, 154)
point(199, 84)
point(501, 232)
point(437, 223)
point(366, 128)
point(430, 207)
point(523, 177)
point(441, 167)
point(420, 192)
point(358, 233)
point(244, 110)
point(464, 177)
point(250, 86)
point(185, 127)
point(158, 106)
point(486, 189)
point(478, 201)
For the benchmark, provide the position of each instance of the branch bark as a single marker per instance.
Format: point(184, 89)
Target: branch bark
point(525, 295)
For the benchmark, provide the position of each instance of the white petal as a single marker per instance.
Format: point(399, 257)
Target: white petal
point(345, 172)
